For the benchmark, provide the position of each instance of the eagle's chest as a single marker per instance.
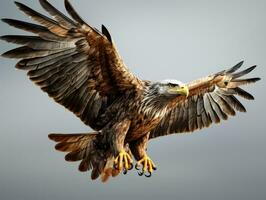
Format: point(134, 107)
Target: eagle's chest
point(141, 127)
point(143, 123)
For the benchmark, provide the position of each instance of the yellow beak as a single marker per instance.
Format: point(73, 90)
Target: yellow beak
point(183, 90)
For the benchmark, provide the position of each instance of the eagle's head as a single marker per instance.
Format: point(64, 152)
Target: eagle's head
point(168, 89)
point(158, 94)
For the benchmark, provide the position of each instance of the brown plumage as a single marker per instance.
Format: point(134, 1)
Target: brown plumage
point(81, 69)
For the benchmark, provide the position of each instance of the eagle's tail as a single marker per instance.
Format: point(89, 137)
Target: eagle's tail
point(85, 148)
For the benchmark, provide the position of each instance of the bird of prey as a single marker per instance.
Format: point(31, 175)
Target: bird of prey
point(80, 68)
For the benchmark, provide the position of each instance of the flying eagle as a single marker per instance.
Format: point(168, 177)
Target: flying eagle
point(81, 69)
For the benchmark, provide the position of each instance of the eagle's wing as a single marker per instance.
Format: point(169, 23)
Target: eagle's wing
point(211, 99)
point(78, 66)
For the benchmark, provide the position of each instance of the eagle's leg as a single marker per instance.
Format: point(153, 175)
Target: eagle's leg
point(138, 149)
point(123, 159)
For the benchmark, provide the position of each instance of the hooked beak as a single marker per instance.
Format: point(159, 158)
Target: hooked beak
point(183, 90)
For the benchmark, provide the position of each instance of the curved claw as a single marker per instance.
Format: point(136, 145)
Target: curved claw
point(130, 166)
point(125, 171)
point(140, 173)
point(137, 167)
point(148, 175)
point(154, 168)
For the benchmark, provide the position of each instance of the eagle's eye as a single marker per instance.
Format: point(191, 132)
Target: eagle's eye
point(171, 85)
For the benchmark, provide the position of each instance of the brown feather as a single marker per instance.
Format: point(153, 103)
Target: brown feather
point(216, 103)
point(26, 53)
point(73, 13)
point(244, 72)
point(243, 93)
point(192, 115)
point(209, 109)
point(84, 165)
point(58, 16)
point(37, 43)
point(239, 82)
point(223, 104)
point(235, 68)
point(42, 31)
point(52, 25)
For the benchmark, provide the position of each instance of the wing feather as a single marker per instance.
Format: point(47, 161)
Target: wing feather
point(57, 15)
point(192, 111)
point(27, 53)
point(235, 68)
point(226, 108)
point(51, 24)
point(72, 12)
point(217, 104)
point(42, 31)
point(243, 93)
point(35, 42)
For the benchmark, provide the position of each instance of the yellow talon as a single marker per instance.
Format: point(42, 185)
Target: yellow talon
point(147, 166)
point(123, 160)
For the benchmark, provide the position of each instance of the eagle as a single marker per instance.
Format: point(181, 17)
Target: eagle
point(80, 68)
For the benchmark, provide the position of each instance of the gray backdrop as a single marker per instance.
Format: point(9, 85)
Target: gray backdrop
point(158, 39)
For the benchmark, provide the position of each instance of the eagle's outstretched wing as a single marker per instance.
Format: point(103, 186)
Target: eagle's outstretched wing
point(78, 66)
point(211, 99)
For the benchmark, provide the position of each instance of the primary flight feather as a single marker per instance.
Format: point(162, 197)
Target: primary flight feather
point(81, 69)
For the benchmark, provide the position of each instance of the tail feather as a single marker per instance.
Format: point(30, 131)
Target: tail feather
point(77, 155)
point(72, 142)
point(83, 147)
point(84, 165)
point(71, 146)
point(69, 137)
